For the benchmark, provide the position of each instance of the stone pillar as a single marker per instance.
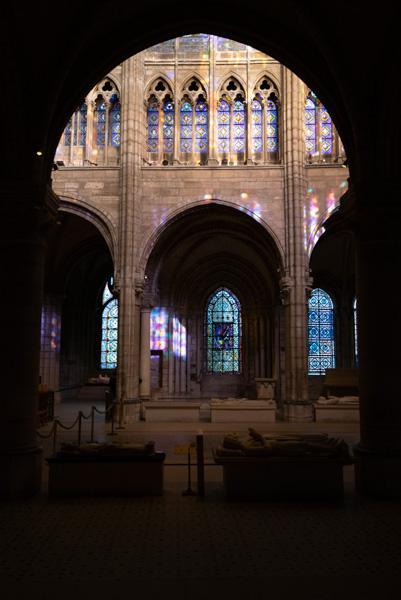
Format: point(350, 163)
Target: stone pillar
point(132, 147)
point(297, 407)
point(26, 208)
point(144, 360)
point(373, 210)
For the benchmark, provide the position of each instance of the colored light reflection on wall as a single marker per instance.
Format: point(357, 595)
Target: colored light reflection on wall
point(314, 206)
point(179, 339)
point(158, 329)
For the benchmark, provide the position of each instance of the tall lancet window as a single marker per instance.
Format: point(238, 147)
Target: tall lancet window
point(223, 127)
point(108, 354)
point(320, 333)
point(223, 333)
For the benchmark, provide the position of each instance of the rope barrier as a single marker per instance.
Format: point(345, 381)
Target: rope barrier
point(80, 416)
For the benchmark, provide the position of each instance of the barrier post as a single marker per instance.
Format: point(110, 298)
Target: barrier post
point(79, 427)
point(55, 436)
point(92, 423)
point(112, 420)
point(200, 463)
point(189, 491)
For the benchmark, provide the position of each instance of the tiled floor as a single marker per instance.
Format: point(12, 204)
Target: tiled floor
point(188, 547)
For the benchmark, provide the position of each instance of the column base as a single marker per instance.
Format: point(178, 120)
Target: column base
point(132, 411)
point(377, 475)
point(298, 412)
point(21, 473)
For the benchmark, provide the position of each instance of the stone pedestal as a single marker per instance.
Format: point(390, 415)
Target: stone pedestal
point(283, 478)
point(242, 411)
point(377, 476)
point(265, 387)
point(298, 412)
point(106, 476)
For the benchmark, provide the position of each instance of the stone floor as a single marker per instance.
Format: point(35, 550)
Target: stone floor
point(190, 547)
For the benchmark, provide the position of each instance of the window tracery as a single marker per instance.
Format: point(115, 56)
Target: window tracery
point(320, 332)
point(322, 142)
point(109, 343)
point(223, 333)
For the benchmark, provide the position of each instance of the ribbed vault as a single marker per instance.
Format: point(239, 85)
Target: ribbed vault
point(211, 246)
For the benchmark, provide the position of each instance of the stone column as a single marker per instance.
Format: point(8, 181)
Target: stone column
point(132, 148)
point(144, 360)
point(212, 113)
point(26, 209)
point(297, 407)
point(373, 210)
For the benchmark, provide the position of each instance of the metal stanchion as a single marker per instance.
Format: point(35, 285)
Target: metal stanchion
point(79, 427)
point(189, 491)
point(120, 415)
point(200, 463)
point(55, 435)
point(92, 424)
point(112, 421)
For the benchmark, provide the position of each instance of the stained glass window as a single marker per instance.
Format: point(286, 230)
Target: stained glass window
point(201, 127)
point(271, 126)
point(355, 334)
point(310, 126)
point(194, 43)
point(108, 354)
point(239, 126)
point(82, 125)
point(223, 132)
point(223, 333)
point(67, 133)
point(168, 127)
point(320, 333)
point(257, 126)
point(326, 131)
point(153, 127)
point(186, 128)
point(75, 128)
point(115, 124)
point(101, 124)
point(226, 45)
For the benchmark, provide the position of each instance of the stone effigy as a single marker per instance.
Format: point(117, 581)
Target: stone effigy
point(107, 449)
point(257, 444)
point(338, 400)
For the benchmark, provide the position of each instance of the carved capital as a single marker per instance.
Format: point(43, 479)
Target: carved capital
point(286, 283)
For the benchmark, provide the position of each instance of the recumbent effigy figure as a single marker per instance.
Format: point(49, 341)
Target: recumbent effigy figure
point(257, 444)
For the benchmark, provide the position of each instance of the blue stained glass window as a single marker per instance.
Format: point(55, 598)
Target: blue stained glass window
point(201, 127)
point(326, 132)
point(115, 124)
point(168, 127)
point(320, 333)
point(310, 126)
point(257, 113)
point(223, 333)
point(239, 126)
point(194, 43)
point(271, 126)
point(186, 128)
point(153, 127)
point(109, 343)
point(223, 126)
point(101, 124)
point(82, 125)
point(67, 133)
point(75, 131)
